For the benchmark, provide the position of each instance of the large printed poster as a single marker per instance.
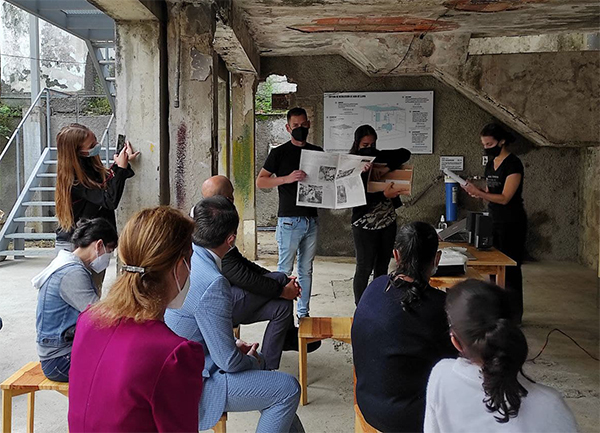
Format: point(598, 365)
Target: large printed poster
point(401, 119)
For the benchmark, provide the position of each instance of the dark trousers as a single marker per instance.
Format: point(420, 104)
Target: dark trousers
point(373, 252)
point(250, 308)
point(510, 239)
point(57, 369)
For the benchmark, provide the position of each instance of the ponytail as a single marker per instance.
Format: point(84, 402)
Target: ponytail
point(416, 244)
point(503, 352)
point(478, 313)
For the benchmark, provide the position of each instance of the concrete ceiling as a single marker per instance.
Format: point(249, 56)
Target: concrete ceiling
point(313, 27)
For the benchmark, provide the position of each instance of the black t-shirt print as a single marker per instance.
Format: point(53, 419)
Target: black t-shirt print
point(283, 160)
point(496, 179)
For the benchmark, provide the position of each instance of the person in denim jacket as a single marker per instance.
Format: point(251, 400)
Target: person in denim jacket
point(66, 289)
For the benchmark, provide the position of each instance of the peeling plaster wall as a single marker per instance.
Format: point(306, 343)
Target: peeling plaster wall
point(191, 121)
point(559, 93)
point(552, 176)
point(67, 73)
point(590, 214)
point(270, 132)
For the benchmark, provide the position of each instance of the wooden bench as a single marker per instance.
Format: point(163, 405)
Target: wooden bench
point(28, 380)
point(316, 329)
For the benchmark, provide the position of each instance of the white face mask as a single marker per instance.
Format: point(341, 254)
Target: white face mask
point(101, 262)
point(177, 302)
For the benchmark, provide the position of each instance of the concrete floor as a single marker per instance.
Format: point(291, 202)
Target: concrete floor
point(562, 295)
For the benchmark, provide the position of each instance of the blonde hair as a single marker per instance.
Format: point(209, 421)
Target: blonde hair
point(153, 239)
point(70, 172)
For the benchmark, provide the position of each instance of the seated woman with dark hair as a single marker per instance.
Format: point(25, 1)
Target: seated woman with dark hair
point(485, 390)
point(400, 332)
point(66, 289)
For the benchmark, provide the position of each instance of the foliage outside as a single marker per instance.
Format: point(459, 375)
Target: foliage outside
point(263, 102)
point(7, 114)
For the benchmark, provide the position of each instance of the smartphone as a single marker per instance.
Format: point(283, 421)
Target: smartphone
point(120, 143)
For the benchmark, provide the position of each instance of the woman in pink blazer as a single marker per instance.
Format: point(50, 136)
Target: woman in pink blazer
point(129, 371)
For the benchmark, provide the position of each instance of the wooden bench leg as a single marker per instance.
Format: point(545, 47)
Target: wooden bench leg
point(221, 425)
point(30, 411)
point(501, 276)
point(6, 411)
point(303, 370)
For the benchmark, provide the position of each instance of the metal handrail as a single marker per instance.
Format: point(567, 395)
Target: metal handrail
point(26, 116)
point(105, 135)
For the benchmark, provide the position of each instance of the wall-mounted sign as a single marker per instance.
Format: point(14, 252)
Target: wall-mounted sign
point(401, 119)
point(454, 163)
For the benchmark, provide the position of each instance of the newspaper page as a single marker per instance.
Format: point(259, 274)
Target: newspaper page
point(332, 181)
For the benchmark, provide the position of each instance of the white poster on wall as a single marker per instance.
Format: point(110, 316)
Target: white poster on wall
point(401, 119)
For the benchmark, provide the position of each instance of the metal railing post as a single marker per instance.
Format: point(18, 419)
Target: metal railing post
point(18, 160)
point(48, 113)
point(77, 108)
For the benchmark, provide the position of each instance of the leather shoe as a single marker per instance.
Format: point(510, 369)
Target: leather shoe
point(291, 342)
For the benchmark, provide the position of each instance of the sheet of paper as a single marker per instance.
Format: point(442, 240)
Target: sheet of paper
point(332, 180)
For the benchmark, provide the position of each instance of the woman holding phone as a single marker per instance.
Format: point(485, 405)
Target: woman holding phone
point(84, 187)
point(504, 194)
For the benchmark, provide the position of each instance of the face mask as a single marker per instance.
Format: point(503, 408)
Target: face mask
point(493, 151)
point(367, 151)
point(300, 133)
point(177, 302)
point(94, 151)
point(101, 262)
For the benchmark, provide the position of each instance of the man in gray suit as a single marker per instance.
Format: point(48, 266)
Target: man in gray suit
point(234, 375)
point(259, 294)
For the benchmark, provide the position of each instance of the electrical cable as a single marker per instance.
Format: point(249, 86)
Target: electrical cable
point(566, 335)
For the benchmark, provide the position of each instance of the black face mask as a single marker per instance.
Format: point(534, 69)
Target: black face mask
point(368, 151)
point(300, 133)
point(493, 151)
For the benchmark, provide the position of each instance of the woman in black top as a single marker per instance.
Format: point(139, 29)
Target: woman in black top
point(504, 174)
point(374, 224)
point(400, 331)
point(85, 189)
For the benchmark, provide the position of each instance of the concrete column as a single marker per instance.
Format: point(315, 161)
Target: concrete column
point(192, 113)
point(138, 111)
point(242, 160)
point(224, 127)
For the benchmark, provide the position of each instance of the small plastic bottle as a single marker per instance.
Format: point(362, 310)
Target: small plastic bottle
point(442, 224)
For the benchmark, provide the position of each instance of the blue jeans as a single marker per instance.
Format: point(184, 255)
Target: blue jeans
point(57, 369)
point(298, 235)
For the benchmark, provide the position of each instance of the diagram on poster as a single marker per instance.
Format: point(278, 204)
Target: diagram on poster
point(401, 119)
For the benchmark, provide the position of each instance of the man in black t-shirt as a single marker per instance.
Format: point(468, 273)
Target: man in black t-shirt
point(296, 225)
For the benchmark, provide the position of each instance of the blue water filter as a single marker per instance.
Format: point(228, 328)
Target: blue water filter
point(451, 199)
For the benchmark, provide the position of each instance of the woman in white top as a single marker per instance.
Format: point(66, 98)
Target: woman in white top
point(485, 390)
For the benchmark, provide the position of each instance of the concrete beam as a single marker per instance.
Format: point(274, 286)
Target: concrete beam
point(533, 44)
point(243, 161)
point(233, 40)
point(129, 10)
point(138, 113)
point(405, 54)
point(498, 110)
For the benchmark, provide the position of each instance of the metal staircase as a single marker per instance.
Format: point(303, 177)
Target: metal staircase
point(87, 22)
point(38, 191)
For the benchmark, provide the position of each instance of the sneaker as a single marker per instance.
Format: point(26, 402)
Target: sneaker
point(291, 342)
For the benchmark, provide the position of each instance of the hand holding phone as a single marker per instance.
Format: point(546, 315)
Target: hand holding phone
point(120, 143)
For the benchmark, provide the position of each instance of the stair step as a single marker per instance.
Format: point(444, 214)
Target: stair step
point(55, 149)
point(107, 62)
point(36, 220)
point(33, 252)
point(110, 78)
point(54, 162)
point(31, 236)
point(42, 188)
point(38, 203)
point(46, 175)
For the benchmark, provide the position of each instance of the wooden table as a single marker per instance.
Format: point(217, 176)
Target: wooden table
point(444, 283)
point(487, 262)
